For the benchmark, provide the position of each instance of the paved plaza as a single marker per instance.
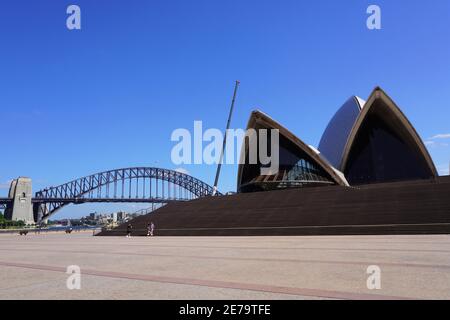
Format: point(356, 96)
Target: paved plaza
point(320, 267)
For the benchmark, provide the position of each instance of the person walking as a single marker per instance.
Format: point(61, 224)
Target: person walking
point(149, 229)
point(152, 228)
point(129, 229)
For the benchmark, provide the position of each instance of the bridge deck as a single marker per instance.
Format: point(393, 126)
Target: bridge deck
point(4, 202)
point(86, 200)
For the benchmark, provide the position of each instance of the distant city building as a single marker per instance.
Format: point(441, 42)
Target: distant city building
point(121, 216)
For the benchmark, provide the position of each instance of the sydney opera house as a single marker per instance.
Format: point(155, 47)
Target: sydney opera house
point(365, 142)
point(370, 174)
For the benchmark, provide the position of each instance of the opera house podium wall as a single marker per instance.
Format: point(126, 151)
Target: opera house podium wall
point(371, 174)
point(411, 207)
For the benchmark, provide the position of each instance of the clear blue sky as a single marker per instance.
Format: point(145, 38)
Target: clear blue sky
point(74, 103)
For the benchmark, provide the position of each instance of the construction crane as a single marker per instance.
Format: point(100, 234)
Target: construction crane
point(219, 165)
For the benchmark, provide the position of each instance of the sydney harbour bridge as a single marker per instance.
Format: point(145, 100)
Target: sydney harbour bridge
point(126, 185)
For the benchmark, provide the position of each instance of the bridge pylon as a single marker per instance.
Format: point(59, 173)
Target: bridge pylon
point(21, 207)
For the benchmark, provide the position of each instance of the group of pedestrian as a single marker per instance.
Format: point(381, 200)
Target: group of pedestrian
point(150, 229)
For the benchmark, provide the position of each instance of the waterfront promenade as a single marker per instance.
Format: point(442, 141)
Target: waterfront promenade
point(321, 267)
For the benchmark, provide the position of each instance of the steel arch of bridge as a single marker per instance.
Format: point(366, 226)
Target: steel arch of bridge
point(138, 184)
